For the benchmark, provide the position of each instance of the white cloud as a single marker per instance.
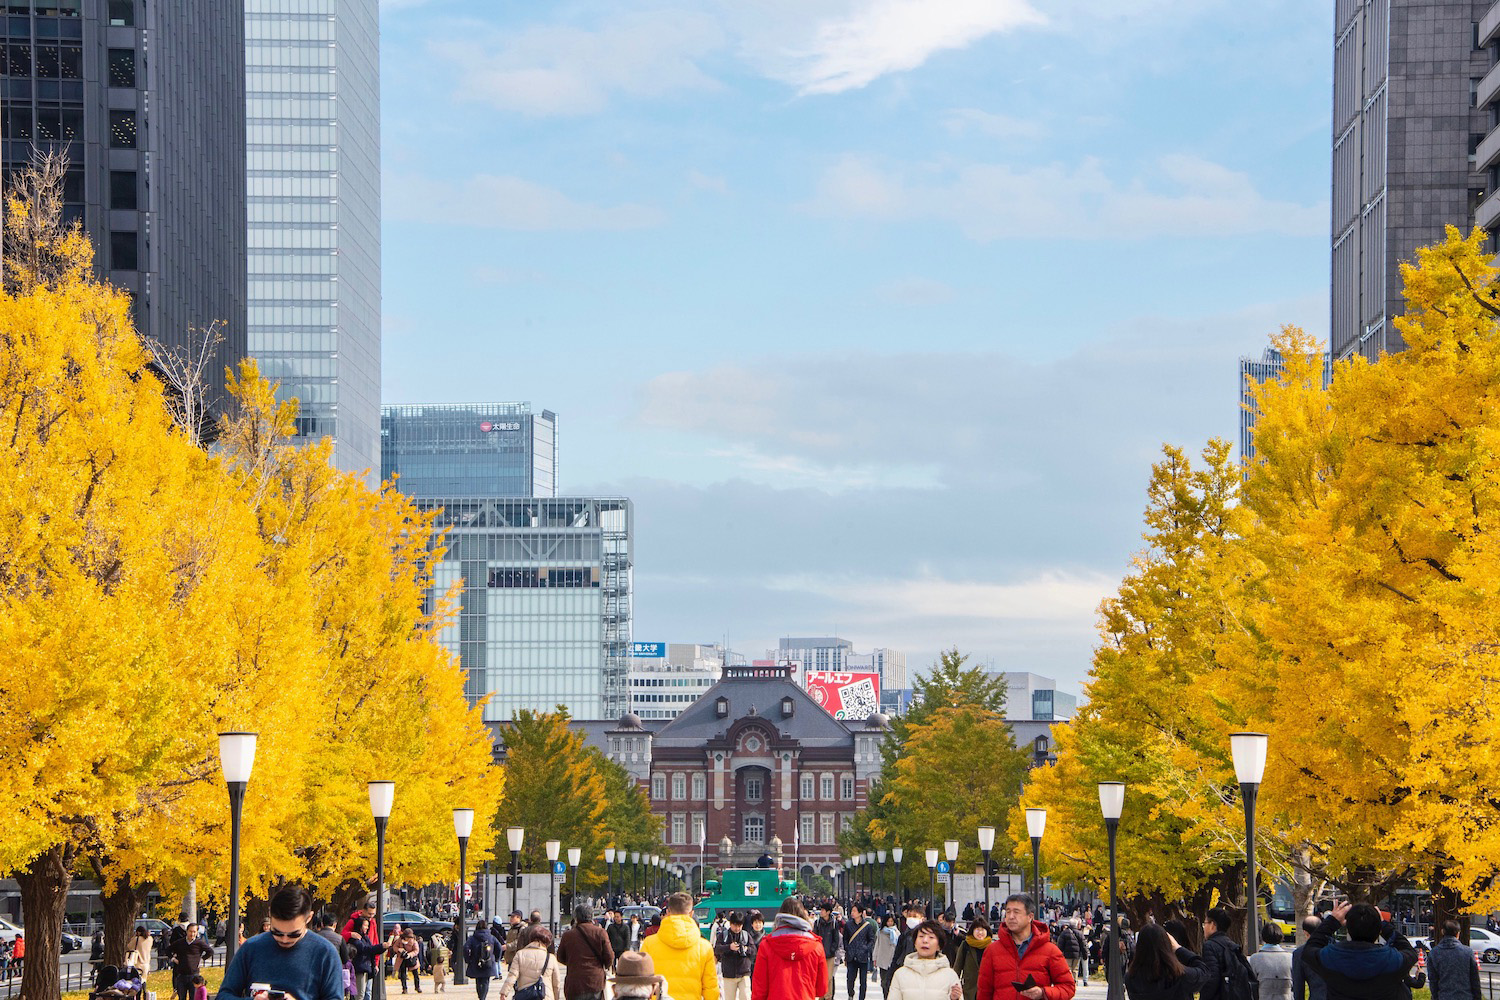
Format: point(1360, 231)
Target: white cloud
point(1186, 196)
point(959, 121)
point(565, 70)
point(1049, 596)
point(499, 201)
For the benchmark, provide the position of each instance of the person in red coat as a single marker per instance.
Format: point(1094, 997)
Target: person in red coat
point(1023, 949)
point(789, 962)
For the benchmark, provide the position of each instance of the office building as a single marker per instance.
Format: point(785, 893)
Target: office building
point(545, 601)
point(1415, 148)
point(1269, 365)
point(671, 676)
point(312, 99)
point(155, 148)
point(1034, 698)
point(890, 664)
point(816, 653)
point(470, 449)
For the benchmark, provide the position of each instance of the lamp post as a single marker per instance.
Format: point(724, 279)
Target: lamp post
point(553, 847)
point(463, 826)
point(635, 872)
point(609, 881)
point(880, 878)
point(382, 796)
point(1111, 804)
point(1249, 752)
point(1036, 824)
point(897, 853)
point(932, 860)
point(575, 857)
point(515, 836)
point(236, 757)
point(986, 845)
point(950, 850)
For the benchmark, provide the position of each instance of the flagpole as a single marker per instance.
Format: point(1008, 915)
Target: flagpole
point(702, 840)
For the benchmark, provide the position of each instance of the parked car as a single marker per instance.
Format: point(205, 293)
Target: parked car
point(420, 925)
point(8, 932)
point(1486, 944)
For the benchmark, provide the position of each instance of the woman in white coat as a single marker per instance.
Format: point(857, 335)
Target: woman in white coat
point(926, 974)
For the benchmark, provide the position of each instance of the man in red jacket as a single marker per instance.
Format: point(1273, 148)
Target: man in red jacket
point(789, 962)
point(1025, 951)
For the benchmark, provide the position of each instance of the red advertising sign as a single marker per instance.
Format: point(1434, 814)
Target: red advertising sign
point(845, 695)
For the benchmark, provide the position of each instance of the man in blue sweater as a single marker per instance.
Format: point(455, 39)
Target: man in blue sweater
point(288, 958)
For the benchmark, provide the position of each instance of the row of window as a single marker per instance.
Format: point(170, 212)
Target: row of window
point(288, 163)
point(292, 186)
point(270, 83)
point(69, 8)
point(280, 211)
point(813, 788)
point(259, 133)
point(646, 682)
point(683, 824)
point(51, 62)
point(543, 577)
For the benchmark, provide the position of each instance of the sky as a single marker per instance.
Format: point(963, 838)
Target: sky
point(878, 310)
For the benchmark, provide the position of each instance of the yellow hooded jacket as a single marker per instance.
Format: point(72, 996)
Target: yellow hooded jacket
point(679, 952)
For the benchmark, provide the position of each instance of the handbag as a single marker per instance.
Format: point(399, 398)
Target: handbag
point(538, 989)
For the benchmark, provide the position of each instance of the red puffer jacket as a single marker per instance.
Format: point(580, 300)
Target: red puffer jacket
point(1004, 965)
point(789, 964)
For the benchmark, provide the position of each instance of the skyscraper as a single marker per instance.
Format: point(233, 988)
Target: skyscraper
point(155, 148)
point(1415, 148)
point(313, 115)
point(1269, 365)
point(470, 450)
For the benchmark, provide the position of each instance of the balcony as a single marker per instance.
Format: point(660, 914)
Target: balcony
point(1489, 25)
point(1488, 212)
point(1488, 151)
point(1489, 87)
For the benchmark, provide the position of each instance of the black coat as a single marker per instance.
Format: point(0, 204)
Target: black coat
point(1224, 960)
point(1360, 970)
point(619, 937)
point(1194, 976)
point(1306, 984)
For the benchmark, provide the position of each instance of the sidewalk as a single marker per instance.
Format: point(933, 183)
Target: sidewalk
point(1096, 990)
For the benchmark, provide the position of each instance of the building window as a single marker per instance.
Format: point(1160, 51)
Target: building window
point(699, 825)
point(679, 786)
point(827, 786)
point(825, 822)
point(805, 828)
point(700, 786)
point(658, 786)
point(122, 194)
point(679, 828)
point(122, 68)
point(754, 790)
point(807, 787)
point(121, 13)
point(755, 829)
point(846, 821)
point(847, 791)
point(124, 252)
point(121, 129)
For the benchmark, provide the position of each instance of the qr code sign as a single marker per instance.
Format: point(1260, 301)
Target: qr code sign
point(858, 700)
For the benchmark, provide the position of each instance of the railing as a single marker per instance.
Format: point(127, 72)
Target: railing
point(76, 973)
point(1489, 25)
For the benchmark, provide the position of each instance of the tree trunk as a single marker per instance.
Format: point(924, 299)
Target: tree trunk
point(121, 904)
point(1446, 905)
point(44, 896)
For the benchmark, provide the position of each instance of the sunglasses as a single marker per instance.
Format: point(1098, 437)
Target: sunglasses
point(287, 935)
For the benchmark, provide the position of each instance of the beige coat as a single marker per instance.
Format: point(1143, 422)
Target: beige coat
point(526, 968)
point(139, 955)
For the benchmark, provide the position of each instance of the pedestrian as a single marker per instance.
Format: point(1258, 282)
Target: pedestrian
point(200, 987)
point(827, 928)
point(1362, 967)
point(925, 974)
point(790, 964)
point(300, 964)
point(859, 948)
point(619, 933)
point(1306, 984)
point(188, 952)
point(138, 955)
point(515, 936)
point(481, 958)
point(1229, 974)
point(438, 954)
point(1452, 972)
point(951, 936)
point(1272, 965)
point(911, 915)
point(756, 931)
point(586, 951)
point(636, 979)
point(679, 953)
point(96, 948)
point(408, 952)
point(884, 956)
point(732, 949)
point(368, 912)
point(533, 966)
point(1162, 969)
point(1024, 953)
point(1075, 949)
point(366, 955)
point(970, 955)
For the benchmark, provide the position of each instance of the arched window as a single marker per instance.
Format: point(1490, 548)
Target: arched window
point(700, 786)
point(658, 786)
point(679, 785)
point(755, 829)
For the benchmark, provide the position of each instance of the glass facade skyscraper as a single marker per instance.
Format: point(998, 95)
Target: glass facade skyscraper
point(470, 449)
point(313, 120)
point(545, 601)
point(1270, 365)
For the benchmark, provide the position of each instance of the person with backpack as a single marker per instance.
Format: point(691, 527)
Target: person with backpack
point(732, 949)
point(831, 932)
point(481, 959)
point(533, 973)
point(1229, 974)
point(586, 951)
point(859, 947)
point(1075, 949)
point(1162, 969)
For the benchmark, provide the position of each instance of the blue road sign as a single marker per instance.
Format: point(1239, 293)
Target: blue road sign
point(559, 868)
point(944, 867)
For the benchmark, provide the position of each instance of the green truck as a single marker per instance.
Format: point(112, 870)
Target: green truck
point(743, 891)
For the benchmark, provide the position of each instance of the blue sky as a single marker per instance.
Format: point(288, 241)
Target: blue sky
point(879, 310)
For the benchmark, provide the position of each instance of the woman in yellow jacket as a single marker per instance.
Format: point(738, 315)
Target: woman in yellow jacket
point(679, 953)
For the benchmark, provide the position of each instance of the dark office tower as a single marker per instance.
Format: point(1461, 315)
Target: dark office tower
point(469, 450)
point(155, 139)
point(1415, 148)
point(314, 187)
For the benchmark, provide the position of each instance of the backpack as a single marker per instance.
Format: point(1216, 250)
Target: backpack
point(480, 951)
point(1237, 987)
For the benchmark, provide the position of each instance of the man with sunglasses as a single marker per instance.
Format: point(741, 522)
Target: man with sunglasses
point(288, 958)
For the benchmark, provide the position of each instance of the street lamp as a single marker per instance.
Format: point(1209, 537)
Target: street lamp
point(1249, 752)
point(382, 795)
point(609, 882)
point(575, 856)
point(236, 757)
point(950, 850)
point(897, 854)
point(880, 879)
point(515, 836)
point(553, 847)
point(635, 872)
point(986, 844)
point(1036, 824)
point(932, 860)
point(1111, 804)
point(463, 826)
point(656, 874)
